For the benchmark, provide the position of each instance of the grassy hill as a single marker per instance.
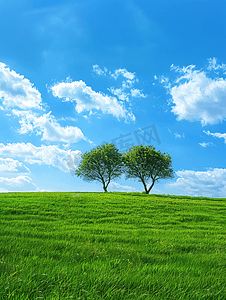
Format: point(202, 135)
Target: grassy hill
point(112, 246)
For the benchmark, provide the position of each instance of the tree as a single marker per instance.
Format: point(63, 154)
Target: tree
point(103, 164)
point(145, 163)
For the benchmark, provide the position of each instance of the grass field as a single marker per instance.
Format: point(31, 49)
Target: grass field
point(112, 246)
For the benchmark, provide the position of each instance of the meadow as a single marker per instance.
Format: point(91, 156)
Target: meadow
point(112, 246)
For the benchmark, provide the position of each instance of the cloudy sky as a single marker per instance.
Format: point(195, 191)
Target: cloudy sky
point(76, 74)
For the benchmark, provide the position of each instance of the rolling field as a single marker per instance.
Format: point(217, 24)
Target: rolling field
point(112, 246)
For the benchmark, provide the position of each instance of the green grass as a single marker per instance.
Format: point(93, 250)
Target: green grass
point(112, 246)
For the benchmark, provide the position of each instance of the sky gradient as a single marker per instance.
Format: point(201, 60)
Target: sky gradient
point(77, 74)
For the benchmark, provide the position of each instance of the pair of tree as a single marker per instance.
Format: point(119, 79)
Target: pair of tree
point(106, 163)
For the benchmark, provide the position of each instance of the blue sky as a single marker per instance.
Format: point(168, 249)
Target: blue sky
point(76, 74)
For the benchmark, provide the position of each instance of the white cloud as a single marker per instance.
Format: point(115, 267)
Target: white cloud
point(73, 162)
point(99, 71)
point(119, 92)
point(126, 91)
point(45, 155)
point(126, 74)
point(214, 66)
point(129, 76)
point(48, 127)
point(217, 134)
point(19, 183)
point(125, 96)
point(136, 93)
point(204, 144)
point(114, 186)
point(210, 183)
point(68, 119)
point(52, 131)
point(9, 165)
point(15, 181)
point(195, 96)
point(86, 99)
point(17, 91)
point(177, 135)
point(4, 190)
point(164, 81)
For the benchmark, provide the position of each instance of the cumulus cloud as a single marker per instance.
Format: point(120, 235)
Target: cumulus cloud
point(114, 186)
point(45, 155)
point(210, 183)
point(16, 181)
point(196, 95)
point(21, 98)
point(17, 91)
point(52, 131)
point(86, 99)
point(19, 183)
point(9, 165)
point(217, 134)
point(47, 126)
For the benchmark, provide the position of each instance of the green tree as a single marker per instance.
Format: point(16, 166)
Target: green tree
point(103, 164)
point(145, 163)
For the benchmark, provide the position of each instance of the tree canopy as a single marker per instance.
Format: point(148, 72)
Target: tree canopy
point(102, 163)
point(145, 163)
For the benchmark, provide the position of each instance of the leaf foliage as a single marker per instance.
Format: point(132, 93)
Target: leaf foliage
point(145, 163)
point(103, 164)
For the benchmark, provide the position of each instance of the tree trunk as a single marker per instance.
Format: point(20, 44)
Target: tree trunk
point(107, 185)
point(104, 187)
point(147, 191)
point(144, 184)
point(153, 182)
